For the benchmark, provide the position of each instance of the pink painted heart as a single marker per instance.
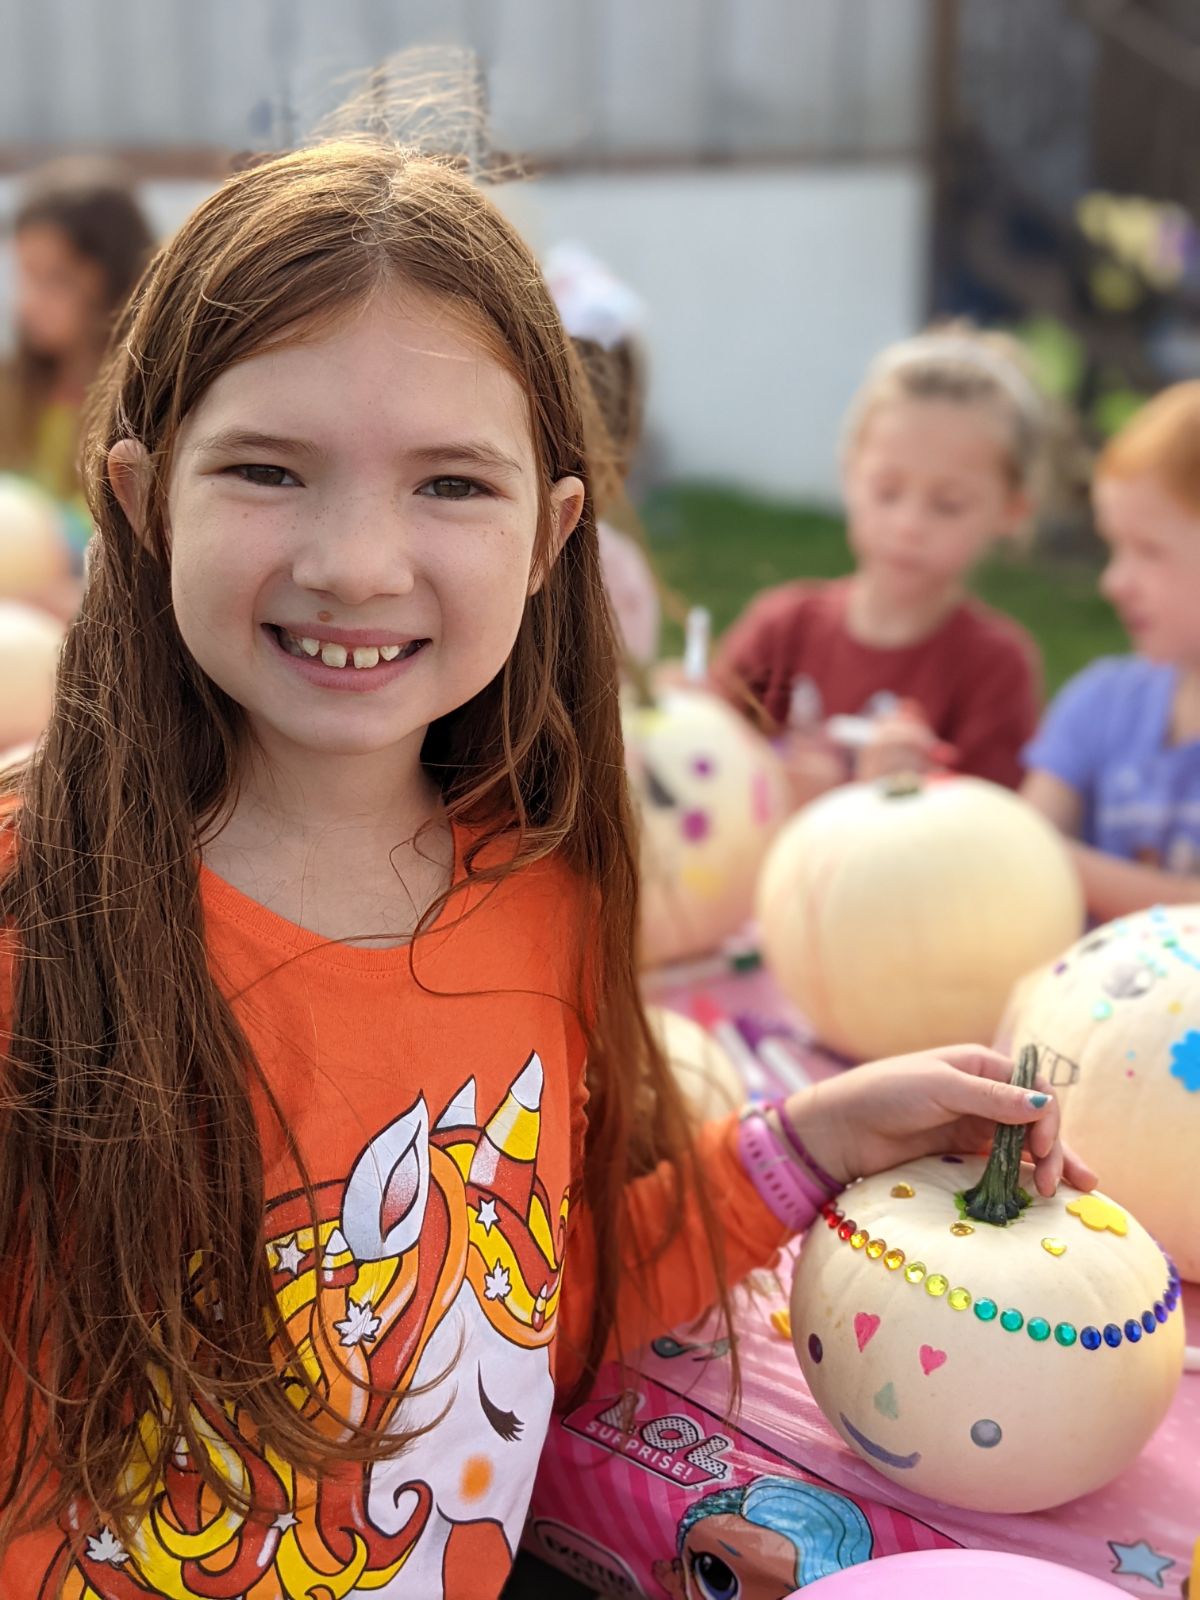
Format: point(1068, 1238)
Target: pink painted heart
point(866, 1325)
point(931, 1359)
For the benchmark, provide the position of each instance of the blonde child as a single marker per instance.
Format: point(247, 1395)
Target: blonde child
point(318, 1157)
point(1116, 764)
point(940, 457)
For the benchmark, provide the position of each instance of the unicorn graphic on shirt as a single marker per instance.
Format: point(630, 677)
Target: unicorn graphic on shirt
point(424, 1294)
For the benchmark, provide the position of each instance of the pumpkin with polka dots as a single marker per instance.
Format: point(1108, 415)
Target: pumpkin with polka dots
point(995, 1367)
point(711, 794)
point(1117, 1021)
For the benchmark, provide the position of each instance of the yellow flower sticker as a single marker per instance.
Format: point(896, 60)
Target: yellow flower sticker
point(1099, 1214)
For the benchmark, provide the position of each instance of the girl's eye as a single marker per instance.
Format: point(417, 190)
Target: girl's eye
point(264, 476)
point(506, 1423)
point(453, 489)
point(949, 508)
point(714, 1580)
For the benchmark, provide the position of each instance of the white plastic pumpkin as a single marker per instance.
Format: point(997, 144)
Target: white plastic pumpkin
point(898, 915)
point(712, 794)
point(703, 1071)
point(996, 1368)
point(1117, 1022)
point(34, 554)
point(29, 644)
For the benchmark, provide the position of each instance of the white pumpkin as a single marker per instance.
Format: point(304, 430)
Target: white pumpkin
point(709, 1080)
point(30, 641)
point(997, 1368)
point(898, 915)
point(1117, 1023)
point(34, 555)
point(711, 794)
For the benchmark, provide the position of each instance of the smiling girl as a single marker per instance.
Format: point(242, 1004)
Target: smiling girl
point(319, 1159)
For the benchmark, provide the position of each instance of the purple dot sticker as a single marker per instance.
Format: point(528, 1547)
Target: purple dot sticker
point(816, 1349)
point(695, 826)
point(953, 1161)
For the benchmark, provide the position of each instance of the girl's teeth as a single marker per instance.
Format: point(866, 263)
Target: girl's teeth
point(333, 655)
point(388, 652)
point(365, 656)
point(311, 647)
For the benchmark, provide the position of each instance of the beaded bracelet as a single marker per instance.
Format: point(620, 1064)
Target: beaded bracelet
point(787, 1190)
point(802, 1150)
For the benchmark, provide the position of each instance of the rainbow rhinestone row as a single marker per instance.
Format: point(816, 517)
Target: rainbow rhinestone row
point(1065, 1334)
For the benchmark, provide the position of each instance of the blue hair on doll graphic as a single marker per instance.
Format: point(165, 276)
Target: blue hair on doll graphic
point(827, 1533)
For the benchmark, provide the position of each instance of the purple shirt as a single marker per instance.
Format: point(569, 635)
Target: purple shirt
point(1108, 735)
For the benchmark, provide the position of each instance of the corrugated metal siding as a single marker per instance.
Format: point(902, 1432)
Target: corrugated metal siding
point(566, 79)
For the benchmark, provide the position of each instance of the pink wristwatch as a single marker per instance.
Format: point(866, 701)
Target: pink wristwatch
point(789, 1190)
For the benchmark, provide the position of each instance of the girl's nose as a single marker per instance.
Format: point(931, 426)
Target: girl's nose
point(357, 553)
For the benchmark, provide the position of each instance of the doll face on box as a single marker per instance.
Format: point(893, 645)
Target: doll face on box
point(1001, 1369)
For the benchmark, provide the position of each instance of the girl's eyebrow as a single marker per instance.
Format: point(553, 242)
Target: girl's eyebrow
point(477, 453)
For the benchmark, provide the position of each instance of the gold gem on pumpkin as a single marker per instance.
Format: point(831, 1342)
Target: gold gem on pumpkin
point(893, 1259)
point(857, 1240)
point(936, 1284)
point(959, 1299)
point(914, 1271)
point(1099, 1214)
point(960, 1230)
point(782, 1323)
point(1055, 1247)
point(903, 1191)
point(875, 1248)
point(1175, 1007)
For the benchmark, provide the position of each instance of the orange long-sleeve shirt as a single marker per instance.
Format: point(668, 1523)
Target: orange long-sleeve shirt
point(438, 1098)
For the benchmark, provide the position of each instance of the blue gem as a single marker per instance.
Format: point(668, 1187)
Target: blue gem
point(1171, 1299)
point(1185, 1061)
point(1112, 1335)
point(1090, 1338)
point(1133, 1330)
point(1160, 1311)
point(1148, 1322)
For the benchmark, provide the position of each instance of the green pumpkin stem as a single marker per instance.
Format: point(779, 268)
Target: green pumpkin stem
point(998, 1197)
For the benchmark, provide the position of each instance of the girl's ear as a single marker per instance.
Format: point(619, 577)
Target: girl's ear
point(1018, 514)
point(566, 507)
point(129, 473)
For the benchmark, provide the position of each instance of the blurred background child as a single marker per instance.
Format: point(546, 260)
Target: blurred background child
point(1116, 763)
point(940, 459)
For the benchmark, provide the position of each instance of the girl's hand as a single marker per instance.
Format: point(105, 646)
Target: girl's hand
point(935, 1102)
point(902, 741)
point(813, 765)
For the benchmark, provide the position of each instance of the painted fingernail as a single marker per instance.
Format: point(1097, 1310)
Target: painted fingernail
point(1037, 1101)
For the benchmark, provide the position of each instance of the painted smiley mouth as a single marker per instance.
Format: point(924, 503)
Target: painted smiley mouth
point(876, 1451)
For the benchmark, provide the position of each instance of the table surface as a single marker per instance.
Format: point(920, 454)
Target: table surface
point(623, 1476)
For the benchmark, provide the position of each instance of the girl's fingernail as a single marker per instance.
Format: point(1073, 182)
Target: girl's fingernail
point(1037, 1101)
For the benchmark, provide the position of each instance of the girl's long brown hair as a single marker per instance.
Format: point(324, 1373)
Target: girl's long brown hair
point(128, 1146)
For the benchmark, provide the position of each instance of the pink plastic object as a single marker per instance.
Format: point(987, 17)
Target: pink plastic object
point(955, 1574)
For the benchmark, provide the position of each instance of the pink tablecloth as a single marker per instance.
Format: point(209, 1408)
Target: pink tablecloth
point(649, 1478)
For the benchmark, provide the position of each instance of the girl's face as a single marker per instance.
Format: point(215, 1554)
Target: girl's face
point(352, 521)
point(928, 490)
point(60, 293)
point(1153, 572)
point(727, 1558)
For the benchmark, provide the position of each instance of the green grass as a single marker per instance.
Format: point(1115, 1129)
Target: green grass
point(718, 548)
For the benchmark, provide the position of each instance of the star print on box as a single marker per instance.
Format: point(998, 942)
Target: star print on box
point(1185, 1061)
point(1139, 1561)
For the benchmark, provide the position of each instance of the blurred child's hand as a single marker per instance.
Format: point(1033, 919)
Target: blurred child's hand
point(813, 765)
point(902, 741)
point(931, 1103)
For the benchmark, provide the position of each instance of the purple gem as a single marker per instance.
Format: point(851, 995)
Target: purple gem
point(953, 1161)
point(695, 825)
point(816, 1349)
point(703, 767)
point(1160, 1311)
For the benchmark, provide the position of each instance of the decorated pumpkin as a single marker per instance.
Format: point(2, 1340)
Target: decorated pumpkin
point(29, 644)
point(34, 554)
point(1117, 1021)
point(711, 793)
point(898, 915)
point(1002, 1365)
point(705, 1074)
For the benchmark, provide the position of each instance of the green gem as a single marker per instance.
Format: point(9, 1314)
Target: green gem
point(1038, 1329)
point(1065, 1334)
point(1012, 1321)
point(985, 1310)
